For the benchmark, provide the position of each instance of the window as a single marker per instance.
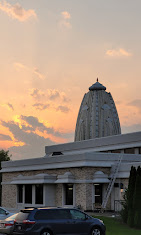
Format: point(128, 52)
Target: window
point(52, 214)
point(57, 153)
point(116, 151)
point(77, 215)
point(2, 211)
point(129, 150)
point(39, 194)
point(139, 150)
point(69, 194)
point(98, 193)
point(20, 193)
point(28, 193)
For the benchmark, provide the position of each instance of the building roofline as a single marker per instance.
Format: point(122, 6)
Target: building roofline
point(107, 143)
point(92, 159)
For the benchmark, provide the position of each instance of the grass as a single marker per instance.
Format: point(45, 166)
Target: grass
point(115, 227)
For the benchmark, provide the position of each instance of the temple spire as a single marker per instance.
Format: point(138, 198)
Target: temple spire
point(97, 86)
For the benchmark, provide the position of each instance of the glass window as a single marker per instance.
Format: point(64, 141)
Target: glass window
point(39, 194)
point(2, 211)
point(43, 214)
point(139, 150)
point(129, 150)
point(52, 214)
point(98, 193)
point(28, 193)
point(69, 194)
point(64, 214)
point(77, 214)
point(20, 193)
point(116, 151)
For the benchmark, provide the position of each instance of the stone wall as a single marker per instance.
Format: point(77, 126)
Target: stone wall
point(9, 193)
point(83, 191)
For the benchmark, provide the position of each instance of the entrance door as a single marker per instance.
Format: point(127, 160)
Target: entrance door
point(98, 194)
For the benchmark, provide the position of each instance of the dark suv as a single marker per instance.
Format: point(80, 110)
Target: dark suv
point(57, 221)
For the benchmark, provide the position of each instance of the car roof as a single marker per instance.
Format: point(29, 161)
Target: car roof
point(28, 210)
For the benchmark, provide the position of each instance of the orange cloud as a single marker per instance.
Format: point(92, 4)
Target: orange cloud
point(16, 11)
point(19, 66)
point(34, 71)
point(64, 22)
point(51, 94)
point(118, 53)
point(39, 75)
point(66, 15)
point(63, 109)
point(8, 105)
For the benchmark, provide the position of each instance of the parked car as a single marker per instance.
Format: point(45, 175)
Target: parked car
point(57, 221)
point(7, 225)
point(4, 213)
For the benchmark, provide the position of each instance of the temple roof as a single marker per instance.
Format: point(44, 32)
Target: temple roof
point(97, 86)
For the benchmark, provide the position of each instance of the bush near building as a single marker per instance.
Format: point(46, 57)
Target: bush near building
point(131, 213)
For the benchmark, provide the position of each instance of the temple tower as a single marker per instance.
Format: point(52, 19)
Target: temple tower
point(98, 115)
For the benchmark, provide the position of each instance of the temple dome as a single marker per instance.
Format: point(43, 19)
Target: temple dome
point(97, 86)
point(98, 115)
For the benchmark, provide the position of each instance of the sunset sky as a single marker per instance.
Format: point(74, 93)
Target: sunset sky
point(51, 52)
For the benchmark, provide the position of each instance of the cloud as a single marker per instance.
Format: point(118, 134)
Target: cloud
point(34, 123)
point(50, 94)
point(118, 53)
point(53, 94)
point(8, 105)
point(65, 99)
point(16, 11)
point(65, 20)
point(38, 74)
point(65, 14)
point(19, 66)
point(34, 71)
point(63, 109)
point(4, 137)
point(33, 144)
point(40, 106)
point(135, 103)
point(37, 94)
point(131, 128)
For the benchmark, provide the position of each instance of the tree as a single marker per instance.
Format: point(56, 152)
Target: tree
point(4, 156)
point(124, 211)
point(137, 200)
point(127, 211)
point(130, 195)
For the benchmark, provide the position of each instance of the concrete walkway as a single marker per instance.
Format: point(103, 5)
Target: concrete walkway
point(106, 214)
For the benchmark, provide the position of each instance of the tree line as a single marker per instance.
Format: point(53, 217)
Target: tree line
point(4, 156)
point(131, 212)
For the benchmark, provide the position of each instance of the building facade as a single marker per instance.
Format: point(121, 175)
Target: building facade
point(75, 174)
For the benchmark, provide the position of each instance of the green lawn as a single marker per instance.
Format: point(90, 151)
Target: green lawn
point(114, 227)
